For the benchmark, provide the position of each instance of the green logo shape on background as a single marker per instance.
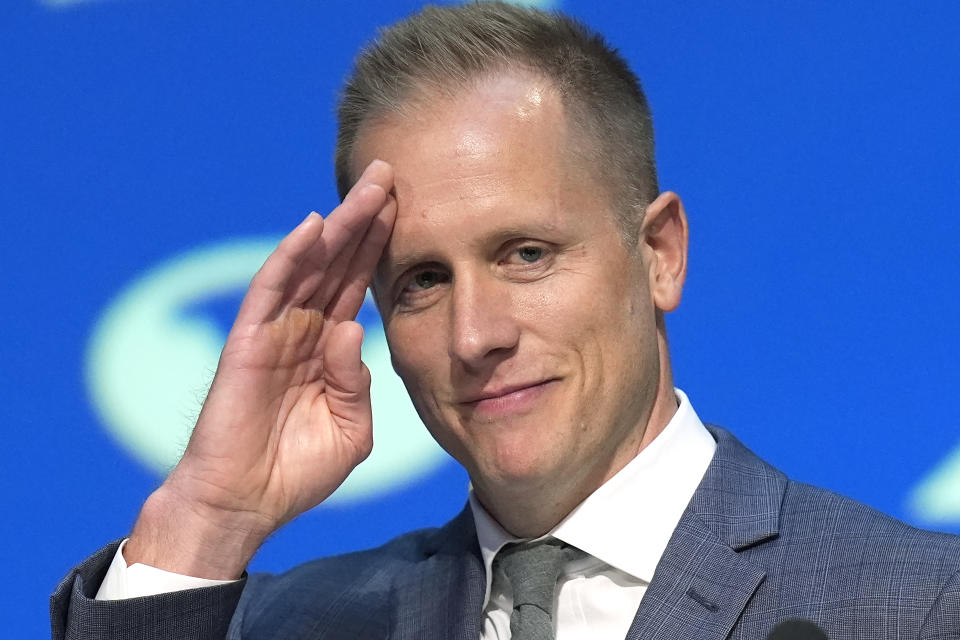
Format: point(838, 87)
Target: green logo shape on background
point(936, 499)
point(149, 366)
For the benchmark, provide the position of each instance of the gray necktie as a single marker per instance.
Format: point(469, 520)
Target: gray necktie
point(532, 570)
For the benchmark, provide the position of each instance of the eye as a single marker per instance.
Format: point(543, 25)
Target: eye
point(424, 280)
point(420, 286)
point(527, 260)
point(530, 254)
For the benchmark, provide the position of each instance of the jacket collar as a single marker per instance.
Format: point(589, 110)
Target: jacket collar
point(702, 584)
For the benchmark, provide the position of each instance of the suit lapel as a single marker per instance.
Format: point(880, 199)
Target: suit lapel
point(442, 596)
point(702, 584)
point(699, 590)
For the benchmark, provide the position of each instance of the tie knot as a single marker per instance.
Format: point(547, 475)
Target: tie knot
point(532, 569)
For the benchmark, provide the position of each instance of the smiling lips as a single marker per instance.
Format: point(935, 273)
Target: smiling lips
point(507, 400)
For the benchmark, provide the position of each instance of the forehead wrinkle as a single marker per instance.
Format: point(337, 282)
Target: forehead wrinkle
point(456, 188)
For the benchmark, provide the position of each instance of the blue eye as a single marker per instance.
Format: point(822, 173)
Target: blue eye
point(530, 254)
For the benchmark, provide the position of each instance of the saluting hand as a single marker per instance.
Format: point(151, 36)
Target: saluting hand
point(288, 414)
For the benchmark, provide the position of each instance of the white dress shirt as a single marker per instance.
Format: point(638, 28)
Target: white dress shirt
point(623, 527)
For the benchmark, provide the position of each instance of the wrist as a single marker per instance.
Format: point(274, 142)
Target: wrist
point(180, 535)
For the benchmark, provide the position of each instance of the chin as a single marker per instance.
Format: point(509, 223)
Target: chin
point(520, 469)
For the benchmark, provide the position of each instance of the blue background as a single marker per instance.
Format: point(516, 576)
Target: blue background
point(816, 149)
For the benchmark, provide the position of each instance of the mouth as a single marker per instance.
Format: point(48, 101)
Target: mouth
point(510, 399)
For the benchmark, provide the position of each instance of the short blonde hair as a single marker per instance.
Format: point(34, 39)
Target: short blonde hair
point(444, 48)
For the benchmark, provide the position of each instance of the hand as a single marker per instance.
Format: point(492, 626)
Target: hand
point(288, 414)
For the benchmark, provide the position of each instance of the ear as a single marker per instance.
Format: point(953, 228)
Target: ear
point(664, 237)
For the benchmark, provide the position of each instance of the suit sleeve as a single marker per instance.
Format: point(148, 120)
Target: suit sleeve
point(193, 614)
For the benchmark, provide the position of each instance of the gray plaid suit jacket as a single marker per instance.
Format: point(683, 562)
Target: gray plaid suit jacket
point(752, 548)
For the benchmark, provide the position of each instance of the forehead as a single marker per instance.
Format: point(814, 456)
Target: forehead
point(492, 157)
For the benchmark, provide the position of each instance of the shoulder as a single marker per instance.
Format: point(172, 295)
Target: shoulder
point(863, 538)
point(827, 557)
point(860, 564)
point(369, 567)
point(351, 593)
point(798, 513)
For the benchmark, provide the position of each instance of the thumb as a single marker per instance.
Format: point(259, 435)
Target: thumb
point(348, 384)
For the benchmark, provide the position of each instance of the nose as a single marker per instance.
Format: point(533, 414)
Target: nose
point(483, 322)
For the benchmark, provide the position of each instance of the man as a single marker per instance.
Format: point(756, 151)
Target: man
point(505, 209)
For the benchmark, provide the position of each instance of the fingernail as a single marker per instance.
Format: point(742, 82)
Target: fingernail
point(372, 185)
point(377, 161)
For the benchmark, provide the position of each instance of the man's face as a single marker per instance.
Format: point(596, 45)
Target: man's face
point(521, 325)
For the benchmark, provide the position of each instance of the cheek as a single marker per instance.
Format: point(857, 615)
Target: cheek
point(614, 332)
point(415, 352)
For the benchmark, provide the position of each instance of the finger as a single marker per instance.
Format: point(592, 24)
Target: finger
point(344, 230)
point(350, 220)
point(346, 303)
point(321, 269)
point(377, 172)
point(348, 386)
point(270, 282)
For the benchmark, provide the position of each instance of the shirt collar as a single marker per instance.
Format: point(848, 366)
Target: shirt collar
point(628, 521)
